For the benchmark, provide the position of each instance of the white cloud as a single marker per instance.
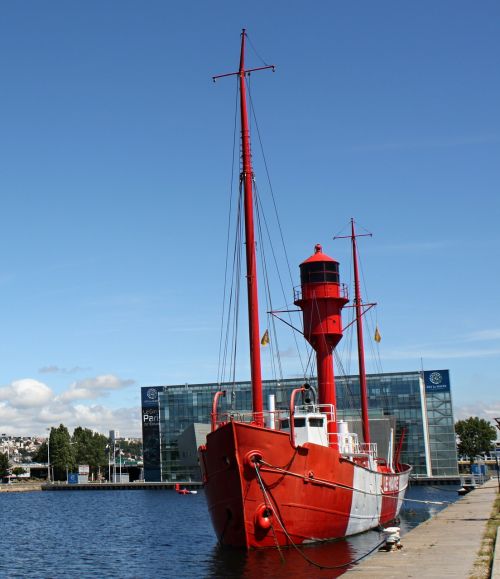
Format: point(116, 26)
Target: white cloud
point(429, 143)
point(53, 369)
point(438, 354)
point(26, 393)
point(487, 410)
point(92, 388)
point(483, 335)
point(29, 407)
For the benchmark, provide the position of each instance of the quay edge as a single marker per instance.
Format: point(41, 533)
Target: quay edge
point(444, 546)
point(133, 486)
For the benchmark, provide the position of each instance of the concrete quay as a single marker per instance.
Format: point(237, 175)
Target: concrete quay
point(444, 546)
point(106, 486)
point(20, 487)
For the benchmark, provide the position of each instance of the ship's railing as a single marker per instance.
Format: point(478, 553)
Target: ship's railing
point(347, 442)
point(368, 448)
point(330, 290)
point(277, 419)
point(328, 409)
point(349, 445)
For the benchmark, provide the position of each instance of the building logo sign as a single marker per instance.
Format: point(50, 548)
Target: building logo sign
point(149, 395)
point(152, 393)
point(437, 381)
point(436, 378)
point(151, 417)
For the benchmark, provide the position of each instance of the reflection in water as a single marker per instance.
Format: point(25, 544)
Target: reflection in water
point(287, 562)
point(160, 534)
point(290, 564)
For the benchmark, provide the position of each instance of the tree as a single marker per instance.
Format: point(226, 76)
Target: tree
point(4, 465)
point(476, 436)
point(40, 455)
point(61, 453)
point(18, 470)
point(131, 448)
point(90, 448)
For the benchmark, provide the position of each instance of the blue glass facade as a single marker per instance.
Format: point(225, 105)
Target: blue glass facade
point(420, 402)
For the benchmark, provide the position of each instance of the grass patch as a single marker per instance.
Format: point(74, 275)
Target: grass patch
point(484, 560)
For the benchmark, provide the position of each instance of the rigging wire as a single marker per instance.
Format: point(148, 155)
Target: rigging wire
point(347, 354)
point(267, 291)
point(223, 352)
point(238, 249)
point(375, 351)
point(232, 318)
point(255, 51)
point(280, 230)
point(374, 347)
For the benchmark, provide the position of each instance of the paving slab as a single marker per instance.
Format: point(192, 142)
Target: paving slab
point(444, 546)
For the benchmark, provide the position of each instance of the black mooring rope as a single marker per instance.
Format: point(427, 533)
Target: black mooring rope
point(301, 553)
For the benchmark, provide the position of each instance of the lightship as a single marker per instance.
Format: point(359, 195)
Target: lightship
point(275, 478)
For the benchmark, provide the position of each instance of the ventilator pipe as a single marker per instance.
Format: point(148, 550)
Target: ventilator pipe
point(271, 403)
point(292, 412)
point(218, 394)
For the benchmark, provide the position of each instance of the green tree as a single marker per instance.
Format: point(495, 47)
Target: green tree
point(476, 436)
point(18, 470)
point(4, 465)
point(90, 448)
point(40, 455)
point(131, 448)
point(62, 457)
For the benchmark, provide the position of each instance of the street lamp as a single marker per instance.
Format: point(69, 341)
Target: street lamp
point(48, 455)
point(497, 420)
point(8, 462)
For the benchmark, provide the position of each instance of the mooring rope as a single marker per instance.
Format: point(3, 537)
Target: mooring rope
point(301, 553)
point(322, 482)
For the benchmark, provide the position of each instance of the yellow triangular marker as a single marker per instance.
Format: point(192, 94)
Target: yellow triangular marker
point(265, 338)
point(377, 337)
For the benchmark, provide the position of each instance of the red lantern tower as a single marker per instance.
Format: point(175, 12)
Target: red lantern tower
point(321, 302)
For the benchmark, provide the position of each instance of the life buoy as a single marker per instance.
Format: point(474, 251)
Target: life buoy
point(263, 516)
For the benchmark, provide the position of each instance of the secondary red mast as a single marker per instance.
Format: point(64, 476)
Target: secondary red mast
point(359, 330)
point(246, 178)
point(361, 348)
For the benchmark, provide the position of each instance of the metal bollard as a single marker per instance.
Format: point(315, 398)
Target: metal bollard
point(392, 539)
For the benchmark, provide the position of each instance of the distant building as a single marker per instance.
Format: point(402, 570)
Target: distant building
point(175, 419)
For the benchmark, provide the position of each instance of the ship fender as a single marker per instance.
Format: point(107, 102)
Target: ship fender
point(262, 517)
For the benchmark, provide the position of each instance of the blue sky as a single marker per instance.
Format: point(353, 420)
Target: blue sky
point(115, 161)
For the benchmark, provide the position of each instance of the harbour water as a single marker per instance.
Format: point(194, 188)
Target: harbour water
point(158, 534)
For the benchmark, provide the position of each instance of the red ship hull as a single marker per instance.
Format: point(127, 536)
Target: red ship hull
point(303, 494)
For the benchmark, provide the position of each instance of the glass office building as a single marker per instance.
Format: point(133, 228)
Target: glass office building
point(420, 402)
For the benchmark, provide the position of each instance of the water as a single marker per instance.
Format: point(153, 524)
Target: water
point(157, 534)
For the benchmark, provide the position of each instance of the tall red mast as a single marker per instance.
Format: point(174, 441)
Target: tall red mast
point(246, 178)
point(361, 348)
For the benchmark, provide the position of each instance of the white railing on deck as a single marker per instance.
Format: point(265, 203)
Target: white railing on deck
point(271, 419)
point(349, 445)
point(368, 448)
point(327, 409)
point(280, 420)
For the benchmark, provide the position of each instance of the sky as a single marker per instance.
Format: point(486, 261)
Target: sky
point(115, 171)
